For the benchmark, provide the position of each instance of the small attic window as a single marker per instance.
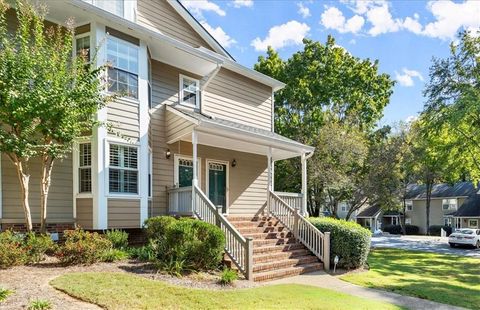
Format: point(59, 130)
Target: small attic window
point(189, 92)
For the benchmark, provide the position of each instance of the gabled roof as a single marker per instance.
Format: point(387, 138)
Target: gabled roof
point(197, 26)
point(370, 211)
point(471, 207)
point(442, 190)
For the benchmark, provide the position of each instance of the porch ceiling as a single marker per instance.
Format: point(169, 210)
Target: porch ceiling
point(230, 135)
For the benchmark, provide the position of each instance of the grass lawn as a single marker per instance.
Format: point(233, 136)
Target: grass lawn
point(123, 291)
point(448, 279)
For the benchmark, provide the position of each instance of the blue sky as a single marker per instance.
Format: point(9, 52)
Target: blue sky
point(402, 35)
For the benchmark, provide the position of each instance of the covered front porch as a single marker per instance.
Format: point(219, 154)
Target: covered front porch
point(232, 164)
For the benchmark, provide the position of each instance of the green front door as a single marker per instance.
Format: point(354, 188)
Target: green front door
point(185, 172)
point(217, 184)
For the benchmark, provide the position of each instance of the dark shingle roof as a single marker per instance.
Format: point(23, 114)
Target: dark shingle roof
point(417, 191)
point(369, 212)
point(471, 207)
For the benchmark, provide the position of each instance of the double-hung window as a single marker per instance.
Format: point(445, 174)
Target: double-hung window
point(82, 45)
point(85, 168)
point(449, 204)
point(189, 91)
point(122, 57)
point(409, 205)
point(123, 169)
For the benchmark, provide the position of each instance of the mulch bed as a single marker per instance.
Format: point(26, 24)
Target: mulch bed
point(32, 282)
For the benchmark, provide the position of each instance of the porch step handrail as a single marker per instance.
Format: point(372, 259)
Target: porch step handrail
point(238, 248)
point(316, 241)
point(180, 200)
point(294, 200)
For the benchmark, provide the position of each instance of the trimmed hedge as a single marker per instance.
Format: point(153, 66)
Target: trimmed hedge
point(348, 240)
point(83, 247)
point(185, 243)
point(397, 229)
point(435, 230)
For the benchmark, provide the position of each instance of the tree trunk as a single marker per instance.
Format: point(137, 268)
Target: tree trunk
point(404, 228)
point(45, 182)
point(24, 179)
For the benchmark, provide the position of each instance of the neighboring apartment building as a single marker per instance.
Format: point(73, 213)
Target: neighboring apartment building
point(191, 115)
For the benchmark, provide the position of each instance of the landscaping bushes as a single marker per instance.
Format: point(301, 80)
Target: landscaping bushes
point(118, 238)
point(435, 230)
point(185, 243)
point(18, 249)
point(397, 229)
point(349, 240)
point(82, 247)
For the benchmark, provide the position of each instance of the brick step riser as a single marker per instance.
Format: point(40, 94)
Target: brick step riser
point(271, 242)
point(256, 224)
point(268, 236)
point(250, 218)
point(277, 249)
point(287, 273)
point(257, 230)
point(288, 263)
point(273, 257)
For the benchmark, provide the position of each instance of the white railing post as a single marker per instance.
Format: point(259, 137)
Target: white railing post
point(195, 168)
point(270, 178)
point(249, 258)
point(296, 221)
point(326, 251)
point(304, 185)
point(217, 216)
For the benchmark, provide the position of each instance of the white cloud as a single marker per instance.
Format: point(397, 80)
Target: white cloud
point(197, 7)
point(290, 33)
point(332, 18)
point(352, 42)
point(382, 21)
point(219, 34)
point(243, 3)
point(406, 79)
point(412, 24)
point(303, 10)
point(451, 17)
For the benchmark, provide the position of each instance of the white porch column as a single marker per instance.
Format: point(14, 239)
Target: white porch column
point(304, 185)
point(270, 178)
point(195, 158)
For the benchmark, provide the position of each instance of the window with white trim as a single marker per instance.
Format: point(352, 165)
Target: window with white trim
point(85, 168)
point(343, 206)
point(472, 223)
point(82, 45)
point(408, 221)
point(447, 221)
point(449, 204)
point(409, 205)
point(122, 57)
point(189, 91)
point(123, 169)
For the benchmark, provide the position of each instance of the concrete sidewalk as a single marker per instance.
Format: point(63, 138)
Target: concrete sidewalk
point(324, 280)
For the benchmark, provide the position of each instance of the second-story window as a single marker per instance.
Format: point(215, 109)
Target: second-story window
point(449, 204)
point(113, 6)
point(123, 71)
point(189, 91)
point(409, 205)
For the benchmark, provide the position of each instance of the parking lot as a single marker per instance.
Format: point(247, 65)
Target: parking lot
point(422, 243)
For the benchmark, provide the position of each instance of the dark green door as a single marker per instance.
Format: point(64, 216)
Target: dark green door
point(185, 172)
point(217, 184)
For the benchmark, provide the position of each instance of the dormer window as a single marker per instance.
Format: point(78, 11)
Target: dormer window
point(189, 92)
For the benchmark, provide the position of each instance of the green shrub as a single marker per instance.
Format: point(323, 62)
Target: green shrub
point(36, 247)
point(348, 240)
point(172, 266)
point(82, 247)
point(118, 238)
point(156, 227)
point(397, 229)
point(436, 230)
point(40, 305)
point(12, 251)
point(4, 293)
point(114, 255)
point(198, 245)
point(145, 253)
point(228, 276)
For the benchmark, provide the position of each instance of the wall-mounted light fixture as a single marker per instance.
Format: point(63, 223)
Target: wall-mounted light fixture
point(167, 154)
point(234, 162)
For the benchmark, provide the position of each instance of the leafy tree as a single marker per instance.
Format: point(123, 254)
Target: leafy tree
point(47, 98)
point(453, 100)
point(325, 85)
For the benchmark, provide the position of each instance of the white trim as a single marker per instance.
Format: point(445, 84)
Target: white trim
point(109, 194)
point(181, 77)
point(469, 225)
point(176, 158)
point(100, 201)
point(227, 185)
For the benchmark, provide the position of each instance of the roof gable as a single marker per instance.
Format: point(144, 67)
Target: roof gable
point(441, 190)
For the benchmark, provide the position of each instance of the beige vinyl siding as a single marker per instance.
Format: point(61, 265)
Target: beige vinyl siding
point(123, 116)
point(236, 98)
point(123, 213)
point(159, 15)
point(85, 213)
point(247, 192)
point(177, 126)
point(60, 199)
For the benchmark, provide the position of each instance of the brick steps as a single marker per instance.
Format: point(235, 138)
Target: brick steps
point(276, 253)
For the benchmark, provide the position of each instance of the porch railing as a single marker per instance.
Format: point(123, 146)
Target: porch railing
point(294, 200)
point(316, 241)
point(238, 248)
point(180, 200)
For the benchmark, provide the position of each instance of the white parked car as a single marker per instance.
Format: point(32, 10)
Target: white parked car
point(465, 236)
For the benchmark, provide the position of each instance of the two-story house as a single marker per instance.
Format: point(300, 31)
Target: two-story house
point(194, 133)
